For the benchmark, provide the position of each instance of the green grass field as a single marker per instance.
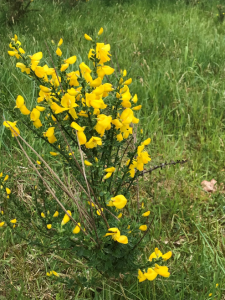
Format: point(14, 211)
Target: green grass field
point(175, 54)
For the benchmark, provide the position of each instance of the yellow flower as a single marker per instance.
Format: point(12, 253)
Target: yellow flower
point(76, 230)
point(102, 52)
point(107, 176)
point(87, 37)
point(13, 221)
point(56, 214)
point(80, 133)
point(217, 285)
point(103, 123)
point(87, 163)
point(8, 191)
point(143, 227)
point(120, 216)
point(66, 218)
point(141, 276)
point(2, 224)
point(49, 226)
point(151, 274)
point(158, 254)
point(12, 126)
point(99, 211)
point(58, 52)
point(43, 215)
point(146, 214)
point(54, 153)
point(36, 57)
point(135, 99)
point(64, 67)
point(71, 60)
point(92, 204)
point(45, 89)
point(6, 177)
point(49, 273)
point(119, 137)
point(55, 273)
point(210, 294)
point(137, 107)
point(93, 142)
point(60, 42)
point(35, 114)
point(119, 201)
point(50, 134)
point(104, 70)
point(100, 31)
point(161, 270)
point(37, 123)
point(128, 81)
point(146, 142)
point(115, 233)
point(111, 170)
point(96, 83)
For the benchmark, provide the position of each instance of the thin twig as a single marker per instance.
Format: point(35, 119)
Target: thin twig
point(85, 177)
point(49, 189)
point(81, 209)
point(163, 165)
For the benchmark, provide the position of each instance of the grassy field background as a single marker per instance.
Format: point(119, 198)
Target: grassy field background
point(175, 53)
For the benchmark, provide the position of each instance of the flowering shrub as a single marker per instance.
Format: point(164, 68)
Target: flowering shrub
point(85, 122)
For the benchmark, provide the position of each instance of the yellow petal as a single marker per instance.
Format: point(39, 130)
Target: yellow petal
point(60, 42)
point(107, 176)
point(40, 108)
point(8, 191)
point(128, 81)
point(71, 60)
point(87, 163)
point(100, 31)
point(76, 230)
point(146, 214)
point(6, 178)
point(24, 110)
point(19, 101)
point(13, 221)
point(56, 214)
point(87, 37)
point(58, 52)
point(54, 153)
point(143, 227)
point(122, 239)
point(66, 218)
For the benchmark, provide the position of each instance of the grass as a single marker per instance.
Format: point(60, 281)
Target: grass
point(175, 54)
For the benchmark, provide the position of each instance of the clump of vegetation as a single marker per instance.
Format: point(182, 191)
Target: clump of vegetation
point(221, 13)
point(13, 10)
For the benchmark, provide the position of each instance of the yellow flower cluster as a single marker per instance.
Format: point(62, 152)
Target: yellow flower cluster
point(3, 180)
point(152, 273)
point(142, 158)
point(52, 273)
point(2, 183)
point(79, 101)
